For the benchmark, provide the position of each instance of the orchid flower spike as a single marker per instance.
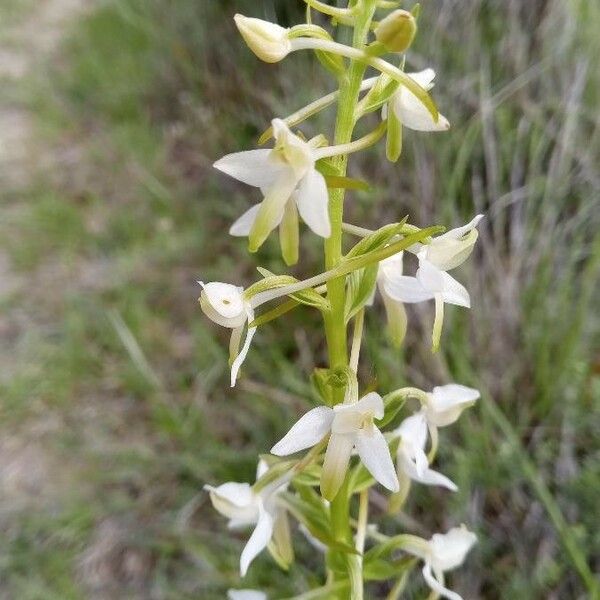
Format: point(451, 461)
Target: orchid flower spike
point(452, 249)
point(430, 283)
point(290, 184)
point(243, 506)
point(412, 462)
point(351, 426)
point(225, 304)
point(404, 109)
point(443, 552)
point(246, 595)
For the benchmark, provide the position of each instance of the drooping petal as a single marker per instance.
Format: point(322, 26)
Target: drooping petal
point(258, 541)
point(454, 292)
point(306, 432)
point(393, 146)
point(282, 537)
point(407, 289)
point(246, 595)
point(271, 209)
point(427, 476)
point(313, 202)
point(242, 227)
point(241, 357)
point(375, 455)
point(397, 320)
point(335, 464)
point(438, 587)
point(413, 113)
point(253, 167)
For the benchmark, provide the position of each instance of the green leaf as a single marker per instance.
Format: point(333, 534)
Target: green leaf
point(361, 285)
point(376, 240)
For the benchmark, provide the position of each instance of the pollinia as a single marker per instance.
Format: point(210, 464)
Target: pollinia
point(316, 479)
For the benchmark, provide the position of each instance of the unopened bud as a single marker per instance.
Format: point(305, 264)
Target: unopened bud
point(267, 40)
point(397, 31)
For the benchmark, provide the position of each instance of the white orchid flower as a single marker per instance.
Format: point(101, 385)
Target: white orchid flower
point(404, 109)
point(245, 507)
point(448, 251)
point(289, 181)
point(443, 552)
point(225, 304)
point(351, 427)
point(430, 283)
point(246, 595)
point(447, 402)
point(412, 462)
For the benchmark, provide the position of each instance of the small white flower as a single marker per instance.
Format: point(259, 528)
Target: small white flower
point(410, 111)
point(430, 283)
point(246, 595)
point(286, 174)
point(225, 304)
point(447, 402)
point(351, 427)
point(245, 507)
point(267, 40)
point(443, 552)
point(412, 460)
point(448, 251)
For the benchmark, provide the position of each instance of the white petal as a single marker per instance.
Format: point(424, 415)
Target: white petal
point(375, 455)
point(436, 586)
point(253, 167)
point(306, 432)
point(241, 357)
point(335, 464)
point(258, 541)
point(223, 303)
point(413, 113)
point(407, 289)
point(430, 277)
point(243, 225)
point(427, 476)
point(454, 292)
point(453, 394)
point(313, 203)
point(413, 431)
point(391, 266)
point(371, 403)
point(246, 595)
point(449, 550)
point(235, 501)
point(261, 468)
point(459, 232)
point(424, 78)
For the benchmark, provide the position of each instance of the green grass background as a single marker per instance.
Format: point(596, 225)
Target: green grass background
point(115, 386)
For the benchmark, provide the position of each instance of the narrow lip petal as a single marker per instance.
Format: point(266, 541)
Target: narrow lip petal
point(335, 465)
point(436, 586)
point(241, 357)
point(306, 432)
point(258, 540)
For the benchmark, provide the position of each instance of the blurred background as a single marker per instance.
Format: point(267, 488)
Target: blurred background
point(114, 398)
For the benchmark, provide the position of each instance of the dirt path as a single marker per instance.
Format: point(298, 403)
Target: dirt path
point(26, 39)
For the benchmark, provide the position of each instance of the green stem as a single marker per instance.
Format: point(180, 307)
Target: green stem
point(335, 326)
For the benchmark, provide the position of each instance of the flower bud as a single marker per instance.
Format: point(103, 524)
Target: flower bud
point(267, 40)
point(224, 304)
point(397, 31)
